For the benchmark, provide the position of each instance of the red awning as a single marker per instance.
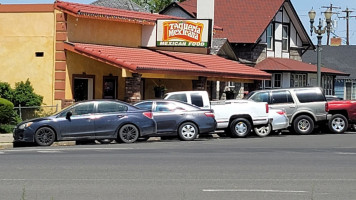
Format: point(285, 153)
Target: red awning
point(141, 60)
point(285, 64)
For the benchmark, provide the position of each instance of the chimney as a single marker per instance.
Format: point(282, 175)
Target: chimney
point(205, 10)
point(336, 41)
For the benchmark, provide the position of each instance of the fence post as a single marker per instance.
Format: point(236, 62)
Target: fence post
point(20, 111)
point(56, 108)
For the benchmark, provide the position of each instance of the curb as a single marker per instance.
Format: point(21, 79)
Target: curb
point(6, 146)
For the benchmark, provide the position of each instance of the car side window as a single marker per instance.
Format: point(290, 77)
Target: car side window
point(308, 95)
point(197, 100)
point(281, 97)
point(260, 97)
point(107, 107)
point(82, 109)
point(145, 105)
point(179, 97)
point(164, 107)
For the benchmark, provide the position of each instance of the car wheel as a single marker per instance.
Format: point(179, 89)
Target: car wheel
point(303, 124)
point(240, 127)
point(263, 131)
point(188, 131)
point(128, 133)
point(45, 136)
point(105, 141)
point(338, 123)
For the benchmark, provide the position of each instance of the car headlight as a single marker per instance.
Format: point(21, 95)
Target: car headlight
point(23, 126)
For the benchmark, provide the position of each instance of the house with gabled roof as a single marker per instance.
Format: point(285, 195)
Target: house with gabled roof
point(341, 58)
point(267, 35)
point(72, 51)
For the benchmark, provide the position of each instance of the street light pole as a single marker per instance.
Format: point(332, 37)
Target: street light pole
point(319, 31)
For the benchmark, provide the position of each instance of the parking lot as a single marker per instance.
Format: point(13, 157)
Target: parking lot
point(287, 166)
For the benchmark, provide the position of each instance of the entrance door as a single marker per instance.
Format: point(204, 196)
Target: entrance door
point(82, 88)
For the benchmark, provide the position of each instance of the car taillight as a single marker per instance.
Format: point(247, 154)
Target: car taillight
point(326, 107)
point(209, 114)
point(281, 112)
point(267, 108)
point(148, 114)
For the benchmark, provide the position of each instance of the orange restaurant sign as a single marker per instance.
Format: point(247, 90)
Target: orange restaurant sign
point(183, 33)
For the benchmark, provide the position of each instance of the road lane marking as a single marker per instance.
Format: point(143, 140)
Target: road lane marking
point(345, 153)
point(49, 151)
point(254, 190)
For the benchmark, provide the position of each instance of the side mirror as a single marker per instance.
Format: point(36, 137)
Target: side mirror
point(68, 115)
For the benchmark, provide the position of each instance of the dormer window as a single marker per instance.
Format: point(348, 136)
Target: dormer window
point(270, 36)
point(285, 37)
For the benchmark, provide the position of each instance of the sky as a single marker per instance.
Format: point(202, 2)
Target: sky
point(301, 6)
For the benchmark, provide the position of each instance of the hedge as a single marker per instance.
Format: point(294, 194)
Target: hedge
point(6, 111)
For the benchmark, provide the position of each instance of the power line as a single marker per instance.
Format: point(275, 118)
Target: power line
point(347, 17)
point(331, 9)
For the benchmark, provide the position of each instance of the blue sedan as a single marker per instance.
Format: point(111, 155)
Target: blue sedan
point(176, 118)
point(93, 120)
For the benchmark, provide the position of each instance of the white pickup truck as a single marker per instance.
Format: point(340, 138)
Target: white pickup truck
point(235, 116)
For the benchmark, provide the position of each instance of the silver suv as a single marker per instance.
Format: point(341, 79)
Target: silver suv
point(304, 106)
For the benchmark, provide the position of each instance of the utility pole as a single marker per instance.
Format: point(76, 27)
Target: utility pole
point(331, 9)
point(347, 17)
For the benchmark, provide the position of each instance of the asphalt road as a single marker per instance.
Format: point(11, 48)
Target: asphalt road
point(279, 167)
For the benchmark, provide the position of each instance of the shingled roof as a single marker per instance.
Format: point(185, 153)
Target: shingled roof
point(340, 58)
point(120, 4)
point(112, 14)
point(167, 62)
point(284, 64)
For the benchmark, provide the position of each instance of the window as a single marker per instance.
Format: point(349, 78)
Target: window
point(328, 85)
point(267, 84)
point(285, 36)
point(260, 97)
point(82, 109)
point(106, 107)
point(308, 95)
point(281, 97)
point(179, 97)
point(165, 107)
point(298, 80)
point(270, 36)
point(197, 100)
point(145, 105)
point(277, 80)
point(109, 87)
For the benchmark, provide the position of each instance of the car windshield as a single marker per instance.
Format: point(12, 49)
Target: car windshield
point(249, 95)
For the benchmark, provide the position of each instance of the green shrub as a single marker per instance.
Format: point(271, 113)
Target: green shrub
point(5, 91)
point(6, 111)
point(6, 128)
point(23, 94)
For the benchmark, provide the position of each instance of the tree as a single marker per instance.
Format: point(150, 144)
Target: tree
point(155, 5)
point(6, 91)
point(24, 94)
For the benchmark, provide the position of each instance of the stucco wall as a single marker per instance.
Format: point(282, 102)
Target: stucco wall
point(22, 35)
point(77, 64)
point(103, 32)
point(171, 85)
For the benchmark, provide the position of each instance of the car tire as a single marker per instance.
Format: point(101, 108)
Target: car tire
point(45, 136)
point(188, 131)
point(240, 127)
point(263, 131)
point(338, 123)
point(303, 125)
point(128, 133)
point(105, 141)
